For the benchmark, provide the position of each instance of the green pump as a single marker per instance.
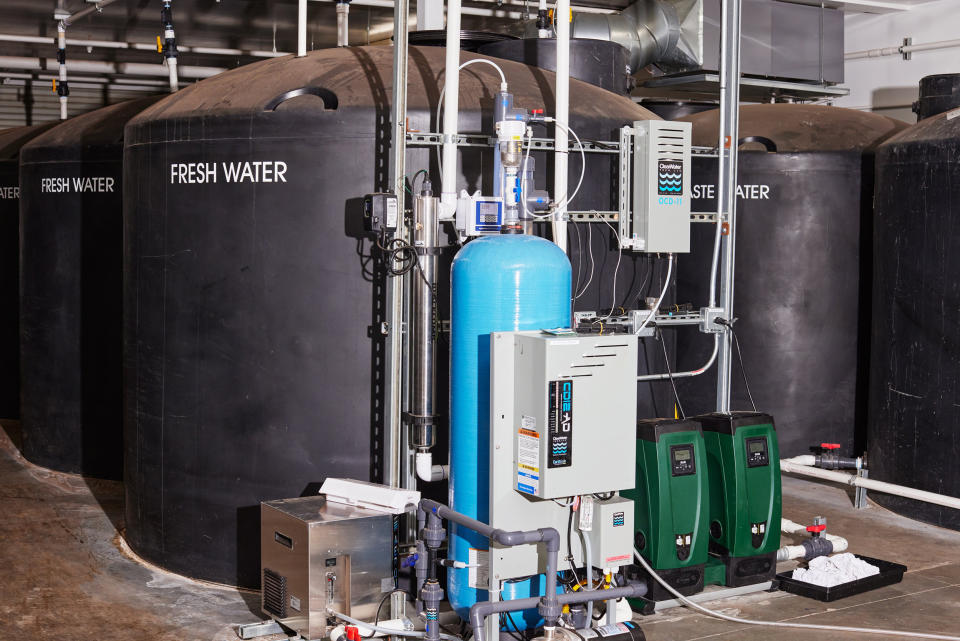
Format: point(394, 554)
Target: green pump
point(743, 463)
point(671, 507)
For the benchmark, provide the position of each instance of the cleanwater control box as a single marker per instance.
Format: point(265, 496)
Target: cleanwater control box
point(574, 412)
point(661, 186)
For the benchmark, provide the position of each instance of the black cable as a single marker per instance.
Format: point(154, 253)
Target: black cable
point(743, 372)
point(506, 628)
point(601, 497)
point(376, 619)
point(673, 383)
point(514, 624)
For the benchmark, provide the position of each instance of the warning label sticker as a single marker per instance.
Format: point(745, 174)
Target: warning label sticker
point(528, 458)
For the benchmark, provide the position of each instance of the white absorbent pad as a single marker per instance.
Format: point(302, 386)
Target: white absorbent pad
point(827, 571)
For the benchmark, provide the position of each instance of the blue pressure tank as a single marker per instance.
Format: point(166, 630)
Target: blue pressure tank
point(499, 283)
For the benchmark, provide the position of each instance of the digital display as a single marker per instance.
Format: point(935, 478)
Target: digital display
point(757, 452)
point(682, 462)
point(488, 213)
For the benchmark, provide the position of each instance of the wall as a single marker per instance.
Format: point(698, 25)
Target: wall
point(888, 85)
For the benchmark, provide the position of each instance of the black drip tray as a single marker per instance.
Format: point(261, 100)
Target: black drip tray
point(890, 573)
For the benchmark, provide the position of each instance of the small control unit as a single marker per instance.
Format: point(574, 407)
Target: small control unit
point(478, 215)
point(575, 401)
point(317, 555)
point(661, 187)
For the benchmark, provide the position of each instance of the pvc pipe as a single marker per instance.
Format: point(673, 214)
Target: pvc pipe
point(902, 49)
point(170, 46)
point(301, 28)
point(451, 89)
point(788, 552)
point(561, 143)
point(427, 471)
point(343, 23)
point(385, 630)
point(787, 465)
point(62, 51)
point(807, 460)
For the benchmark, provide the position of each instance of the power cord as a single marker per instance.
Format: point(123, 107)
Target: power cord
point(779, 624)
point(736, 342)
point(673, 383)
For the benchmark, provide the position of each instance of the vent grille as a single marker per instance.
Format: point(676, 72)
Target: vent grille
point(670, 143)
point(274, 593)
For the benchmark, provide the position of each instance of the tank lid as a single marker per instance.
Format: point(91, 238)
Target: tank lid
point(792, 127)
point(938, 93)
point(11, 140)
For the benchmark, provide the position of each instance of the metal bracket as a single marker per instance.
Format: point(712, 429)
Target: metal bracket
point(261, 629)
point(703, 217)
point(708, 315)
point(593, 216)
point(860, 493)
point(907, 55)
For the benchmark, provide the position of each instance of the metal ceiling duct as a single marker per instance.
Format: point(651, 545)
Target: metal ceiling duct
point(780, 39)
point(666, 32)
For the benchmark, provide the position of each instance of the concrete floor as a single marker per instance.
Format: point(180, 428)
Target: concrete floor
point(66, 577)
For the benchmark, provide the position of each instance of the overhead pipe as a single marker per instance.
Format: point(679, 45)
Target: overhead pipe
point(100, 67)
point(451, 89)
point(794, 466)
point(169, 47)
point(142, 46)
point(901, 50)
point(343, 23)
point(62, 87)
point(495, 11)
point(561, 141)
point(301, 28)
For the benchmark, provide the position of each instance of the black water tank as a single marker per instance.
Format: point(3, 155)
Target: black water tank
point(599, 62)
point(71, 262)
point(914, 424)
point(802, 271)
point(254, 299)
point(676, 109)
point(938, 93)
point(11, 140)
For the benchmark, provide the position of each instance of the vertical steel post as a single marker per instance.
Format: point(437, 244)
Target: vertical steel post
point(394, 473)
point(727, 183)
